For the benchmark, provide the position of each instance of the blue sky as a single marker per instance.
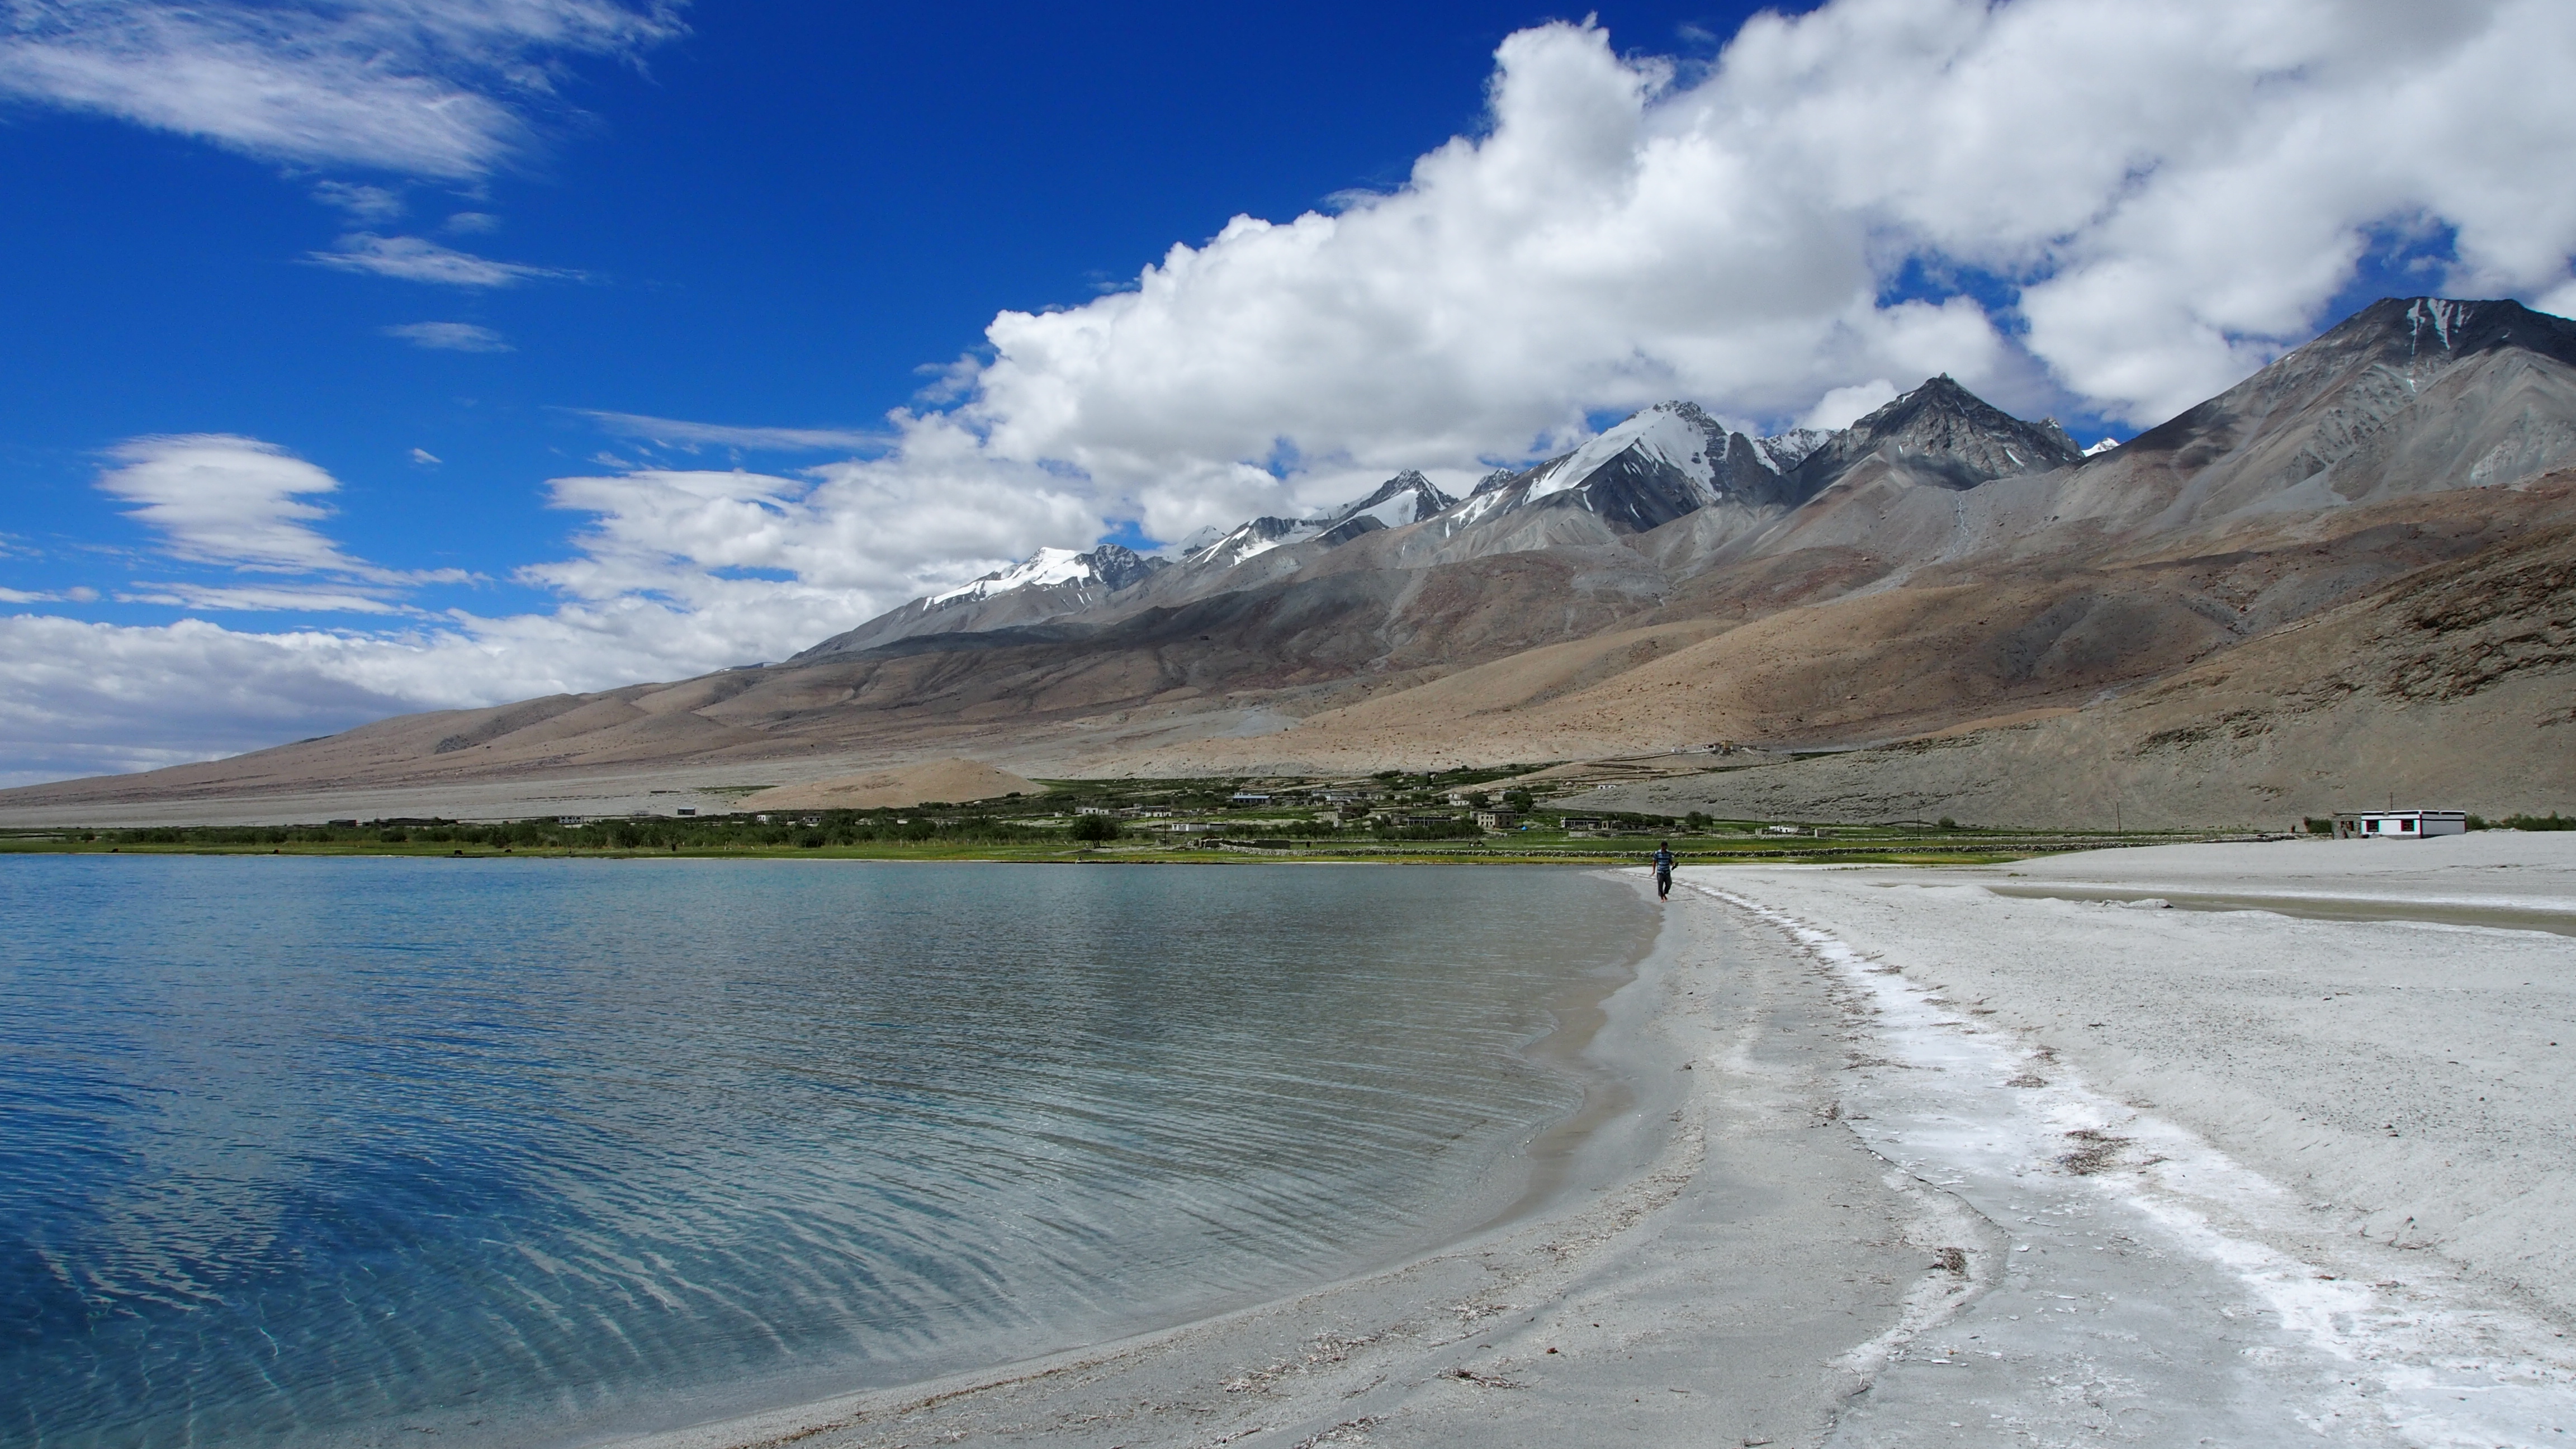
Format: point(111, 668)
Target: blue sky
point(386, 356)
point(773, 218)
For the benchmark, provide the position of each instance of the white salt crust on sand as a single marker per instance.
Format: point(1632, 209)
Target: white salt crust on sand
point(2156, 1274)
point(1950, 1166)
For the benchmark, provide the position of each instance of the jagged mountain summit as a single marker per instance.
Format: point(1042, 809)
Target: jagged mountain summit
point(2224, 619)
point(1111, 566)
point(1408, 497)
point(1941, 433)
point(1055, 582)
point(1651, 468)
point(1249, 539)
point(1658, 465)
point(2408, 395)
point(1662, 464)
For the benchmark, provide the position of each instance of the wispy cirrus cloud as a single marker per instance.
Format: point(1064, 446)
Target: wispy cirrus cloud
point(366, 205)
point(450, 337)
point(426, 89)
point(239, 503)
point(416, 259)
point(689, 436)
point(261, 599)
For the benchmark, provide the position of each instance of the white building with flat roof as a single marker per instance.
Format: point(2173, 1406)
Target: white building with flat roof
point(2398, 824)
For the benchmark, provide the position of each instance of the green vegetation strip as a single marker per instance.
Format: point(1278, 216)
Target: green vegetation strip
point(1391, 818)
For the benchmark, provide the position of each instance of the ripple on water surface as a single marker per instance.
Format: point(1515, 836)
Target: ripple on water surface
point(305, 1150)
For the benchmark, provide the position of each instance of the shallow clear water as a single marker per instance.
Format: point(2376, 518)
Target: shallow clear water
point(310, 1151)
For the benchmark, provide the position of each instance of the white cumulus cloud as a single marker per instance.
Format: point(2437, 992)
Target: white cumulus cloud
point(1843, 406)
point(220, 499)
point(673, 573)
point(2163, 197)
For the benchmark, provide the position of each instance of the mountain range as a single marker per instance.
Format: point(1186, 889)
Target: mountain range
point(2346, 575)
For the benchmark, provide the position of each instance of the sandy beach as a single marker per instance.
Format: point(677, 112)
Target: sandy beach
point(2200, 1144)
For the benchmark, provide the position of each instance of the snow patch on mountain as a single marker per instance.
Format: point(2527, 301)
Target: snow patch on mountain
point(2438, 313)
point(1250, 540)
point(1668, 460)
point(1783, 451)
point(1046, 566)
point(1408, 497)
point(1677, 434)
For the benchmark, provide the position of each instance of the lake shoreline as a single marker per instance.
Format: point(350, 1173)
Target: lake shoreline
point(1906, 1195)
point(1722, 1135)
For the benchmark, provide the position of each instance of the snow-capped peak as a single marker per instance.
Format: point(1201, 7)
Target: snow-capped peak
point(2104, 446)
point(1408, 497)
point(1254, 536)
point(1677, 434)
point(1110, 564)
point(1046, 566)
point(1783, 451)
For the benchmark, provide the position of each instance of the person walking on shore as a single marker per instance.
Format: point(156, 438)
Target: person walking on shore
point(1663, 870)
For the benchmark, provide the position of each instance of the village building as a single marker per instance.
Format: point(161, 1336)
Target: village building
point(2398, 824)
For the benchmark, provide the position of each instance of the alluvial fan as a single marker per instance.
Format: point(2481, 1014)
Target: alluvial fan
point(301, 1151)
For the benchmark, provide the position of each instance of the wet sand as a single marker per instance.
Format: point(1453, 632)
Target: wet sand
point(1910, 1161)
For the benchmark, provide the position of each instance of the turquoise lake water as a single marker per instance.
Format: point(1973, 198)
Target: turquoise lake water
point(300, 1151)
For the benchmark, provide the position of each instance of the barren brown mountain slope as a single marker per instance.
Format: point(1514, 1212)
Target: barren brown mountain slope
point(1042, 700)
point(1895, 585)
point(2455, 687)
point(1944, 649)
